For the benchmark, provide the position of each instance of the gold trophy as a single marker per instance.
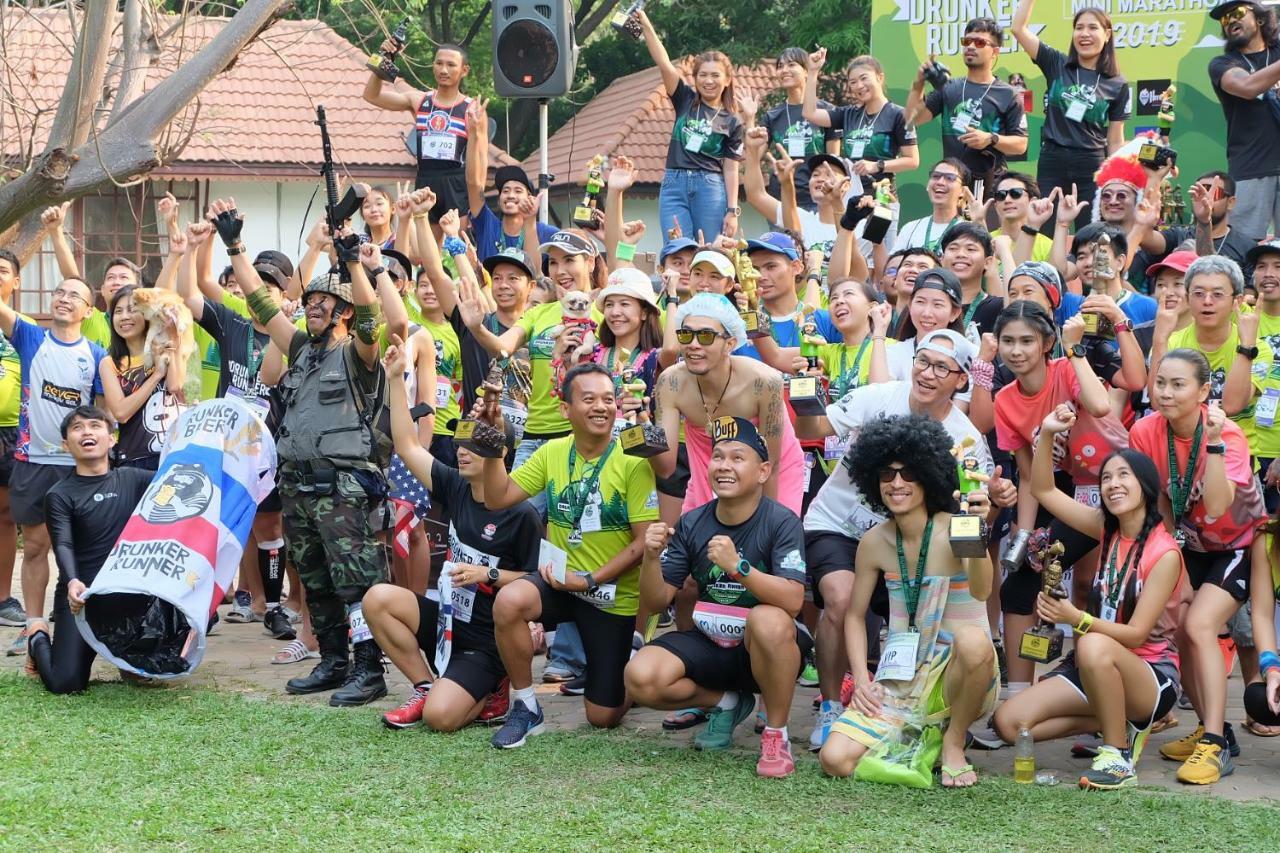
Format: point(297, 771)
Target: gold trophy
point(584, 215)
point(809, 392)
point(1104, 270)
point(481, 438)
point(628, 21)
point(383, 65)
point(881, 215)
point(642, 438)
point(757, 321)
point(969, 533)
point(1043, 643)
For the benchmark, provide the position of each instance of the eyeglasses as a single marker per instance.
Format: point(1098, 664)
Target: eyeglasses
point(1232, 15)
point(939, 369)
point(1109, 195)
point(1015, 193)
point(889, 473)
point(976, 41)
point(68, 295)
point(706, 337)
point(948, 177)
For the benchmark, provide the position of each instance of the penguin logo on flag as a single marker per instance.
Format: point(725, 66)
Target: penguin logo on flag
point(183, 492)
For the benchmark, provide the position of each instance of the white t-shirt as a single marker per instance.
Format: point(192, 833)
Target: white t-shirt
point(839, 507)
point(822, 235)
point(921, 232)
point(899, 357)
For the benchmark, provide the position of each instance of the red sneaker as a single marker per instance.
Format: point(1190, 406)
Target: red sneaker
point(846, 689)
point(776, 761)
point(409, 714)
point(496, 706)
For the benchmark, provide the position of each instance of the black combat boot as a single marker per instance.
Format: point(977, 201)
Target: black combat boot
point(332, 670)
point(365, 682)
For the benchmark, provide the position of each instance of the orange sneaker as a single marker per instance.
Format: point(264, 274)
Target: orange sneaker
point(776, 761)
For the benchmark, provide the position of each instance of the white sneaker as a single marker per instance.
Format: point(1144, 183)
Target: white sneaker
point(828, 713)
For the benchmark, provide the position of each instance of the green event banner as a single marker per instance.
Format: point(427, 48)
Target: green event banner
point(1158, 42)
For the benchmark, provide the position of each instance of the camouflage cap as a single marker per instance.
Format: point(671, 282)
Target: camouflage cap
point(330, 283)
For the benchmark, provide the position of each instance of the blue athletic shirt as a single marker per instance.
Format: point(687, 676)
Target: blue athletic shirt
point(56, 378)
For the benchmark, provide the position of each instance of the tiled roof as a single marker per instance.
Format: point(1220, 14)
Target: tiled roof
point(632, 116)
point(256, 118)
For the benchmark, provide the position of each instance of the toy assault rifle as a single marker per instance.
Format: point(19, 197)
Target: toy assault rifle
point(337, 213)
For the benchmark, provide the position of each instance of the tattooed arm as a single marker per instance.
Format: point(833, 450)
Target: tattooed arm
point(667, 416)
point(768, 393)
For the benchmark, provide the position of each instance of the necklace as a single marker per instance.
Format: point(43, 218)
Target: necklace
point(719, 399)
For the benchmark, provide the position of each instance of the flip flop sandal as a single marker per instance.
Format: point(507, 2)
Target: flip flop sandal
point(953, 773)
point(1168, 721)
point(685, 718)
point(294, 652)
point(1258, 730)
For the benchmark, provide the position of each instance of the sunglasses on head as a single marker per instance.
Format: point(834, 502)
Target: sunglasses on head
point(1014, 193)
point(888, 473)
point(1232, 15)
point(705, 337)
point(976, 41)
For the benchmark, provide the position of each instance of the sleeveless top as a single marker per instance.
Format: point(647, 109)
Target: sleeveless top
point(442, 135)
point(1159, 646)
point(144, 434)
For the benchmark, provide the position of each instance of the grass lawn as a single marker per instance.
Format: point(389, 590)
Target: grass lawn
point(129, 768)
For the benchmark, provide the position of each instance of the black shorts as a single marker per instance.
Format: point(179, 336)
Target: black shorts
point(676, 485)
point(1018, 591)
point(450, 187)
point(8, 444)
point(605, 636)
point(1226, 569)
point(714, 667)
point(825, 553)
point(29, 482)
point(478, 671)
point(271, 503)
point(1167, 686)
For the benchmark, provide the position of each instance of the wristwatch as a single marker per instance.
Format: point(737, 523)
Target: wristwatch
point(1027, 229)
point(1215, 449)
point(493, 575)
point(995, 140)
point(1124, 326)
point(1248, 352)
point(236, 248)
point(590, 579)
point(1077, 351)
point(879, 167)
point(377, 271)
point(736, 210)
point(741, 570)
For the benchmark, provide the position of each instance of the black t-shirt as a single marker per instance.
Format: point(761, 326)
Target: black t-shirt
point(771, 540)
point(788, 128)
point(86, 515)
point(878, 137)
point(1093, 99)
point(984, 316)
point(475, 358)
point(1253, 140)
point(243, 349)
point(507, 539)
point(994, 108)
point(701, 136)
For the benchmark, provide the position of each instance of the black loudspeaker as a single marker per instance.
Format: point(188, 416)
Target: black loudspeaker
point(534, 49)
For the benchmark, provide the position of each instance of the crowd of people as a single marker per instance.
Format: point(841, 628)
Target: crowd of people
point(850, 452)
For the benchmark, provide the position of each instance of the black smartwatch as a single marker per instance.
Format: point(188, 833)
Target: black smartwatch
point(493, 575)
point(1248, 352)
point(421, 411)
point(592, 586)
point(376, 271)
point(1215, 449)
point(1077, 351)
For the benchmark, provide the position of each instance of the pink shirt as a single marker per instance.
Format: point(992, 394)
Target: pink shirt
point(790, 468)
point(1019, 415)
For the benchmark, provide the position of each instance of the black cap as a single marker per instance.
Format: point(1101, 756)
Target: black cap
point(1221, 9)
point(739, 429)
point(274, 267)
point(503, 174)
point(818, 159)
point(398, 265)
point(940, 279)
point(1271, 247)
point(513, 255)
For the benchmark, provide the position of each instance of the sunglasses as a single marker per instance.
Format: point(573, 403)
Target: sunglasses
point(948, 177)
point(1015, 193)
point(1108, 195)
point(888, 474)
point(976, 41)
point(1233, 15)
point(705, 337)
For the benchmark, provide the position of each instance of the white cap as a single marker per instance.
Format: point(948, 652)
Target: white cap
point(723, 265)
point(628, 281)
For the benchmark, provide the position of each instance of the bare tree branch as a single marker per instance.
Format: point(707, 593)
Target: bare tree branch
point(589, 20)
point(481, 17)
point(138, 50)
point(84, 79)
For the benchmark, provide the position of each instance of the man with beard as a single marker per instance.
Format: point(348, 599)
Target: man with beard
point(1245, 79)
point(519, 227)
point(1213, 200)
point(982, 119)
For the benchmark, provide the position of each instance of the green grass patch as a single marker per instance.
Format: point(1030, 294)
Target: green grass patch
point(129, 768)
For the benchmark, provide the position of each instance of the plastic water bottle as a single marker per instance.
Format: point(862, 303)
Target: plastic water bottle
point(1024, 757)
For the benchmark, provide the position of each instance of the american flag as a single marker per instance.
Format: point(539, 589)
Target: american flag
point(410, 499)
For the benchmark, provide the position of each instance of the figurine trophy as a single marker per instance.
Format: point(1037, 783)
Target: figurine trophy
point(1043, 643)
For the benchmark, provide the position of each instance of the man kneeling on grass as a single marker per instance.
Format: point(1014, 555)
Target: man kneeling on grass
point(746, 553)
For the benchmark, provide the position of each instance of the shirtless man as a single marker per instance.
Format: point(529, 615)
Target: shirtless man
point(710, 383)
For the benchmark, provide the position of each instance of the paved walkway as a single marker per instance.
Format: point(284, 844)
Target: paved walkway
point(238, 661)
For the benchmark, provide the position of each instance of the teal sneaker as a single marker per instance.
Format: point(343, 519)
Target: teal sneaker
point(718, 732)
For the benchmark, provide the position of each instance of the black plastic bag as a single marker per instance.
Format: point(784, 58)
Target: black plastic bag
point(142, 630)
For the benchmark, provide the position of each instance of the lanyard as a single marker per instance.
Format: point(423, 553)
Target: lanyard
point(1180, 485)
point(973, 308)
point(1112, 579)
point(580, 490)
point(253, 360)
point(613, 351)
point(928, 232)
point(910, 585)
point(857, 362)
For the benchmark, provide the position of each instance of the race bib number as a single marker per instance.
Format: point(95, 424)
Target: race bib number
point(516, 415)
point(722, 624)
point(464, 600)
point(1265, 412)
point(605, 596)
point(961, 121)
point(360, 631)
point(590, 522)
point(898, 658)
point(444, 391)
point(1090, 496)
point(835, 447)
point(257, 405)
point(857, 147)
point(439, 146)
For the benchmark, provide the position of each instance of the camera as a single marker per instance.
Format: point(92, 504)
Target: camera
point(1155, 156)
point(937, 74)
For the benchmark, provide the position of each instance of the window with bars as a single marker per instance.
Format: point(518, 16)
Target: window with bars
point(115, 223)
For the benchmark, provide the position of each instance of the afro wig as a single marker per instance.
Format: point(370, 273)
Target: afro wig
point(920, 445)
